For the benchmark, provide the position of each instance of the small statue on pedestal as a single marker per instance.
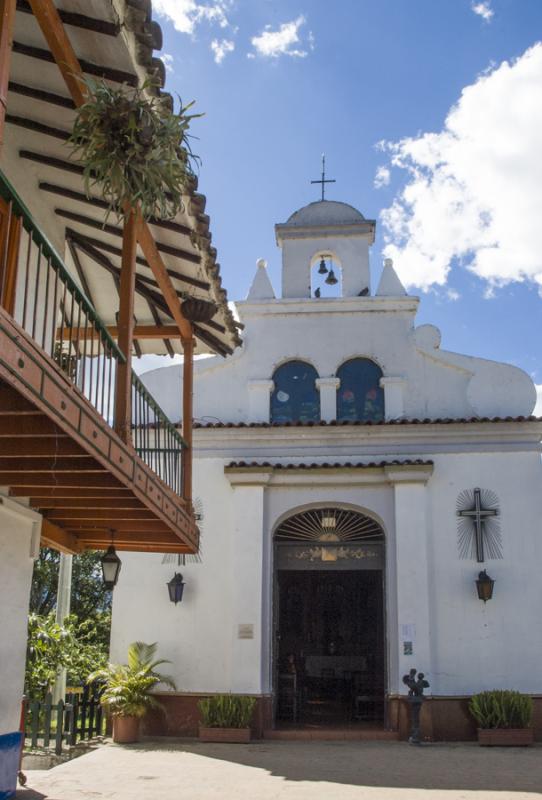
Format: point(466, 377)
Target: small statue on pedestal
point(415, 698)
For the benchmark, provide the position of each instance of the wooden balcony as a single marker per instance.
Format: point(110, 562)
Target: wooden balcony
point(58, 385)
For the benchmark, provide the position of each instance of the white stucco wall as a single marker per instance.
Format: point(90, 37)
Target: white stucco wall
point(19, 543)
point(461, 643)
point(326, 333)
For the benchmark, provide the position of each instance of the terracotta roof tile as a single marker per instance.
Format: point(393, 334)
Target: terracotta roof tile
point(381, 423)
point(418, 462)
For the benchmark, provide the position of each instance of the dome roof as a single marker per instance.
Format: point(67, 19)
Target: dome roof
point(326, 212)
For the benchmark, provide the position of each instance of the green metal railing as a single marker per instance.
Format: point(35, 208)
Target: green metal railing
point(60, 318)
point(155, 438)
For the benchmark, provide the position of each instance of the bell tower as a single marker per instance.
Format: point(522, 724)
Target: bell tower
point(325, 229)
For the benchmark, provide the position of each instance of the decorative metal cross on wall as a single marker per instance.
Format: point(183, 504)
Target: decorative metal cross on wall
point(323, 180)
point(470, 507)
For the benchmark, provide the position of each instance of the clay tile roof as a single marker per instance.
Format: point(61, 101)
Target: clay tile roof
point(357, 423)
point(418, 462)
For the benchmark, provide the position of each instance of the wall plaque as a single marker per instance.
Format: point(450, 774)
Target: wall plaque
point(245, 631)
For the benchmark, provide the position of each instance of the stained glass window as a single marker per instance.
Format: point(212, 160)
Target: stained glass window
point(359, 396)
point(295, 397)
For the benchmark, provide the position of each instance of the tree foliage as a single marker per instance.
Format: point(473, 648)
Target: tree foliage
point(75, 646)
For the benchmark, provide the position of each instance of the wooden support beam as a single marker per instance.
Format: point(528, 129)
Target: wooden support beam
point(63, 447)
point(154, 259)
point(51, 464)
point(10, 236)
point(66, 516)
point(158, 331)
point(130, 526)
point(60, 46)
point(93, 247)
point(44, 480)
point(97, 493)
point(7, 20)
point(27, 425)
point(58, 539)
point(123, 382)
point(188, 412)
point(99, 70)
point(41, 95)
point(115, 503)
point(115, 230)
point(80, 197)
point(78, 20)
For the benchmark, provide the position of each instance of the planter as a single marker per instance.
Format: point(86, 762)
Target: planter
point(126, 730)
point(237, 735)
point(505, 737)
point(197, 310)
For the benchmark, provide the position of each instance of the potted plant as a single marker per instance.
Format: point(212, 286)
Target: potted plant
point(504, 717)
point(226, 718)
point(134, 150)
point(127, 689)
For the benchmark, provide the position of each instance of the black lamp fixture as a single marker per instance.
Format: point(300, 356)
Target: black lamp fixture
point(175, 588)
point(111, 565)
point(322, 270)
point(331, 280)
point(484, 586)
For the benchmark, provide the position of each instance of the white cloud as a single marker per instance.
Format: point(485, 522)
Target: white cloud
point(221, 49)
point(382, 177)
point(483, 9)
point(538, 407)
point(474, 190)
point(453, 294)
point(187, 14)
point(168, 60)
point(284, 41)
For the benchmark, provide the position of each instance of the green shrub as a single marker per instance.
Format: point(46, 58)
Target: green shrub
point(227, 711)
point(501, 708)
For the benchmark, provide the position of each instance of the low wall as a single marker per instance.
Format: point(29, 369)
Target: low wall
point(445, 719)
point(442, 719)
point(181, 716)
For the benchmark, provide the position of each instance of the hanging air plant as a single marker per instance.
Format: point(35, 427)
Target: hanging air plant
point(133, 149)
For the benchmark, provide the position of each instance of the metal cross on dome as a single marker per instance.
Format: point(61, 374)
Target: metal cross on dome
point(478, 515)
point(323, 180)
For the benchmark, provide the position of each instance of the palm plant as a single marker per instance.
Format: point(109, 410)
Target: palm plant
point(128, 687)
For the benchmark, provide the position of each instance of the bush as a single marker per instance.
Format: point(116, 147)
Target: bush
point(227, 711)
point(501, 708)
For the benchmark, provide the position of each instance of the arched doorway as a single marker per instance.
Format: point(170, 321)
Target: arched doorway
point(329, 619)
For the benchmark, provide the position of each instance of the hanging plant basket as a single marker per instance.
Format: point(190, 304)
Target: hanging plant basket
point(133, 149)
point(197, 310)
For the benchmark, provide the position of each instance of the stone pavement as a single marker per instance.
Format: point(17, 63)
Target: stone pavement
point(168, 769)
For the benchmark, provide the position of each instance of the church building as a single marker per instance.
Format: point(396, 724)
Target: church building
point(369, 503)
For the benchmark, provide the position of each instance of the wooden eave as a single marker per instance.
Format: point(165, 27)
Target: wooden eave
point(115, 39)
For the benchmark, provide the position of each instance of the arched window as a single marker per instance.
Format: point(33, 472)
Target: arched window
point(359, 396)
point(295, 397)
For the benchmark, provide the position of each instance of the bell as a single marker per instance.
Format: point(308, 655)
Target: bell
point(322, 270)
point(331, 280)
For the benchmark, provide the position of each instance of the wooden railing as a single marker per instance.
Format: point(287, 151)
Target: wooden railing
point(43, 298)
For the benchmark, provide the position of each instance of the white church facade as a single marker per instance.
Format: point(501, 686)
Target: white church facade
point(356, 481)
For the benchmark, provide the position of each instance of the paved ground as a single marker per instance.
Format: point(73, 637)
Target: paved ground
point(182, 770)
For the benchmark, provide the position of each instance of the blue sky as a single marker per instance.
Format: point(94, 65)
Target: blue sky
point(456, 191)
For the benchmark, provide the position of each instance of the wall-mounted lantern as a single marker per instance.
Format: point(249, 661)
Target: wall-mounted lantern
point(175, 588)
point(484, 586)
point(111, 565)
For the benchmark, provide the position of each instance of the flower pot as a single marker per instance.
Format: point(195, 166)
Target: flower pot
point(197, 310)
point(126, 730)
point(237, 735)
point(505, 737)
